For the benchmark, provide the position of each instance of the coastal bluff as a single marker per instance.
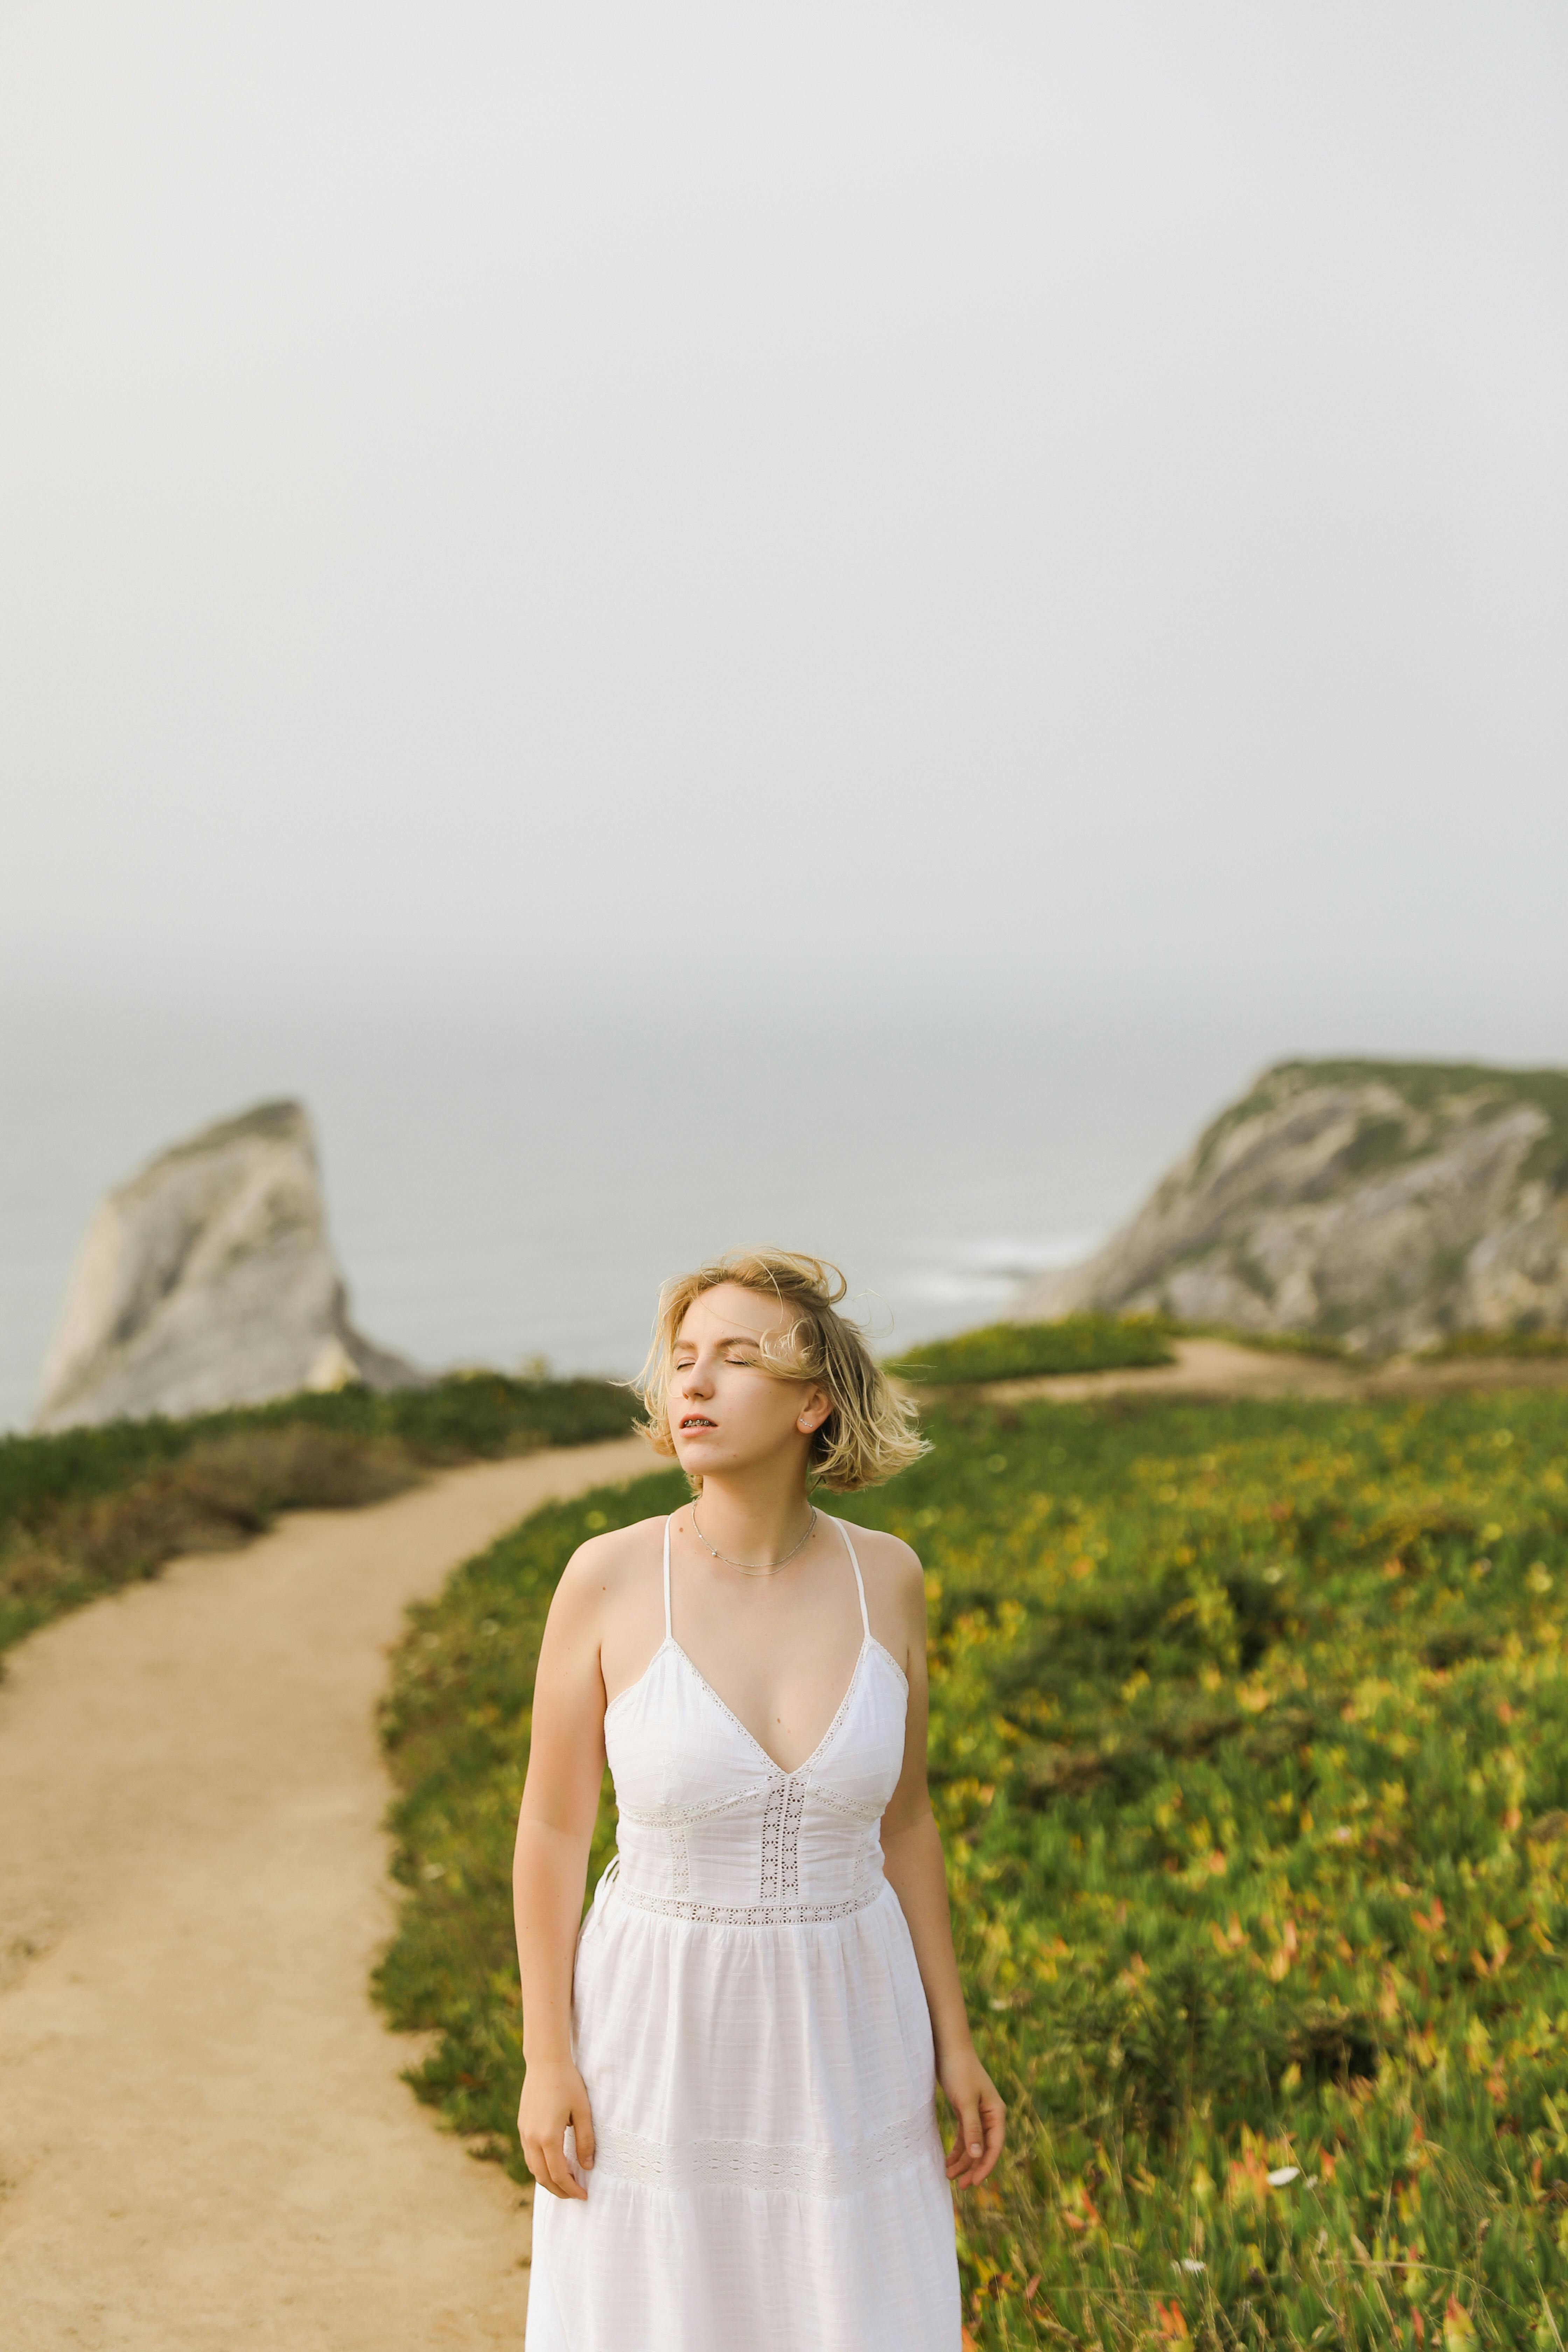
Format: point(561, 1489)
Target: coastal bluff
point(1384, 1205)
point(208, 1280)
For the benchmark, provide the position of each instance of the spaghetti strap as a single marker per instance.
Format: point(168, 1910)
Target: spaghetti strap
point(859, 1585)
point(669, 1628)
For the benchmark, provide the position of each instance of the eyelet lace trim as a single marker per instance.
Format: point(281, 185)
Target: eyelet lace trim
point(781, 1840)
point(789, 1842)
point(854, 1809)
point(747, 1914)
point(773, 1838)
point(784, 2171)
point(663, 1817)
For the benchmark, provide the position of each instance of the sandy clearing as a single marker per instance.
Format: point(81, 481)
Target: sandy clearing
point(203, 2138)
point(1218, 1367)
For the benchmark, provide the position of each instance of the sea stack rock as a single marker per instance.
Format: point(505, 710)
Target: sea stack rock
point(208, 1280)
point(1383, 1204)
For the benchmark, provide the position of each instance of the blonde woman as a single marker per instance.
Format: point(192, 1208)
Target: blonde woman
point(729, 2099)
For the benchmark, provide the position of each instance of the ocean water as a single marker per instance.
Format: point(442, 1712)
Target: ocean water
point(507, 1181)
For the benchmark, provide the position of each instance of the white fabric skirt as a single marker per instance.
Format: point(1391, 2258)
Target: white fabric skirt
point(769, 2176)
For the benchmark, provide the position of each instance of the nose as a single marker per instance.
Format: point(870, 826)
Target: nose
point(696, 1381)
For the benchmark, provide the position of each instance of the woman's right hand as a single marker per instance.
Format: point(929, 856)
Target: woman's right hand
point(553, 2096)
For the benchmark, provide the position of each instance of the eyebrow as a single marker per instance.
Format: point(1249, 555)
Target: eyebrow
point(731, 1339)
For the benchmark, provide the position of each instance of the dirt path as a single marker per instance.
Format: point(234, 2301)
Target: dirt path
point(203, 2140)
point(1218, 1367)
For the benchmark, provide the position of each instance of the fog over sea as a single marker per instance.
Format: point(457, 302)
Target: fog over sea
point(508, 1179)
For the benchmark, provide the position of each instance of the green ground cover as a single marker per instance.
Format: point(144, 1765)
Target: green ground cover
point(1017, 1351)
point(1250, 1748)
point(87, 1509)
point(1520, 1344)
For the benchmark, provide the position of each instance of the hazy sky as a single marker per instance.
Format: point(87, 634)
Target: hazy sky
point(749, 490)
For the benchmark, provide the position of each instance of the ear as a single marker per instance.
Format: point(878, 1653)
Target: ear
point(814, 1412)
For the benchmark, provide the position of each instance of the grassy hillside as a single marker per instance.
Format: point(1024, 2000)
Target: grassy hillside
point(87, 1509)
point(1250, 1747)
point(1014, 1351)
point(1518, 1345)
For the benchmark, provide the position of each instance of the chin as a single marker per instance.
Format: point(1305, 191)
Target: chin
point(697, 1460)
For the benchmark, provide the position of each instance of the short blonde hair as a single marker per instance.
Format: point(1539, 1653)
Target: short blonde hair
point(868, 1435)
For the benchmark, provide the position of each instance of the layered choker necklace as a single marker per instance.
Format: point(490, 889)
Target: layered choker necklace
point(749, 1567)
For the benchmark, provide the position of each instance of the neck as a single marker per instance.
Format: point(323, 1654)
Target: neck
point(754, 1518)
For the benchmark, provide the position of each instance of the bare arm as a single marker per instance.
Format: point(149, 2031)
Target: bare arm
point(912, 1856)
point(550, 1869)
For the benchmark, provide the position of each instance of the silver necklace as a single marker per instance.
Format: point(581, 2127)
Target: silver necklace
point(747, 1568)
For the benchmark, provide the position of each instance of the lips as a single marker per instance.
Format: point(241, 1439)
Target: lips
point(697, 1421)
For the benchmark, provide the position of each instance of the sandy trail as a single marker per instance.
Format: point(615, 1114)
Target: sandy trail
point(203, 2138)
point(1218, 1367)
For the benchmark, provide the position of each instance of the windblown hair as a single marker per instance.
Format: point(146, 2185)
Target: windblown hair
point(870, 1433)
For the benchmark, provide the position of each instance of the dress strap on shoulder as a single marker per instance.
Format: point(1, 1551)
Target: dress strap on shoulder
point(860, 1581)
point(669, 1628)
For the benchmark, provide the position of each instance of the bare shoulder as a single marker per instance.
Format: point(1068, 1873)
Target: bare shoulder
point(892, 1571)
point(889, 1557)
point(607, 1565)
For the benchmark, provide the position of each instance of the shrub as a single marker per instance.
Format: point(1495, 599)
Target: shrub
point(1522, 1344)
point(1016, 1351)
point(455, 1723)
point(87, 1509)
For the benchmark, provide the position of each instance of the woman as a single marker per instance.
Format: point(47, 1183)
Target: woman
point(729, 2098)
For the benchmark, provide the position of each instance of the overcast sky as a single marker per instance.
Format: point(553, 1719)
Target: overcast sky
point(1075, 490)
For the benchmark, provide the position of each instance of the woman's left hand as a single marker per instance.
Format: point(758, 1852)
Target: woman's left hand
point(981, 2115)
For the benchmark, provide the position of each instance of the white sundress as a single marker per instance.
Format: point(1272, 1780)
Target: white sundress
point(749, 2019)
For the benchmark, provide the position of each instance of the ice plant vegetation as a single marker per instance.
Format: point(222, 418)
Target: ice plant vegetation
point(1249, 1739)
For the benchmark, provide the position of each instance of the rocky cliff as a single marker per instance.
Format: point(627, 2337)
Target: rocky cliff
point(208, 1280)
point(1383, 1204)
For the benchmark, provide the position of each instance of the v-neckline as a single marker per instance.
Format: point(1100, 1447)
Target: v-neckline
point(770, 1760)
